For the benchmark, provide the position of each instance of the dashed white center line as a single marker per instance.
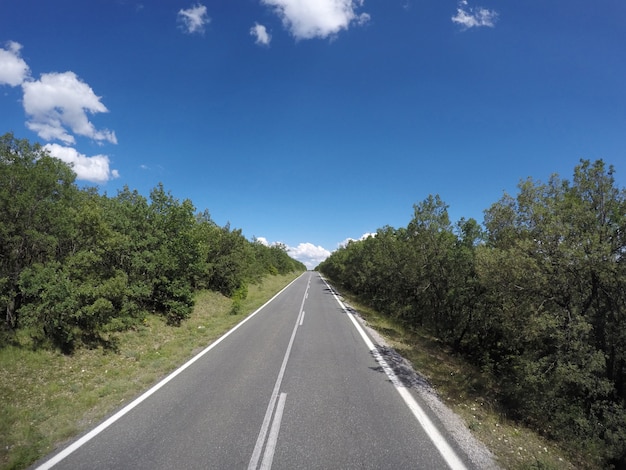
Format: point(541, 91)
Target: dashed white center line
point(273, 408)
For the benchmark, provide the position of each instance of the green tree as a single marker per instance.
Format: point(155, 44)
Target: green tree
point(554, 277)
point(230, 256)
point(175, 255)
point(36, 194)
point(132, 249)
point(76, 296)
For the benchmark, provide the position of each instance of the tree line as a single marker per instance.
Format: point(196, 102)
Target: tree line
point(76, 264)
point(536, 296)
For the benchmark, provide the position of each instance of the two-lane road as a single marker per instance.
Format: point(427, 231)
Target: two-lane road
point(296, 385)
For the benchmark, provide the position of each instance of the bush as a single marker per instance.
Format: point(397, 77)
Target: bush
point(238, 297)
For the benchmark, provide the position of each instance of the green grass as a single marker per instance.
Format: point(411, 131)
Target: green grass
point(470, 393)
point(47, 397)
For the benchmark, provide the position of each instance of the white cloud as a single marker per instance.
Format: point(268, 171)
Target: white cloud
point(260, 33)
point(309, 254)
point(193, 20)
point(60, 101)
point(95, 169)
point(13, 69)
point(57, 105)
point(363, 237)
point(470, 17)
point(262, 241)
point(307, 19)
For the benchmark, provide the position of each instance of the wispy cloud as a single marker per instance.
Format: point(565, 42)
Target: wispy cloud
point(260, 33)
point(58, 103)
point(95, 169)
point(13, 69)
point(307, 19)
point(471, 17)
point(193, 20)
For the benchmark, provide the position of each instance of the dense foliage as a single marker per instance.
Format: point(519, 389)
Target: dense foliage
point(536, 296)
point(75, 264)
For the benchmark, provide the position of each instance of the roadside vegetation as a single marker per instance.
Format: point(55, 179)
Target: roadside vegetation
point(98, 293)
point(530, 307)
point(77, 266)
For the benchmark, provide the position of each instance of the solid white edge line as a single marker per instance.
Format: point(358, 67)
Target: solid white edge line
point(98, 429)
point(431, 430)
point(270, 447)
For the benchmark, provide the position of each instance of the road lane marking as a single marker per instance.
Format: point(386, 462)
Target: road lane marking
point(302, 318)
point(97, 430)
point(258, 448)
point(270, 447)
point(449, 455)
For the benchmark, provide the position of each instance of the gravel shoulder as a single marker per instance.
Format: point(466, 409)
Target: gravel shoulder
point(477, 452)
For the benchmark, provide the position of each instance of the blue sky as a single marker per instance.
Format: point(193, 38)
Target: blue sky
point(313, 121)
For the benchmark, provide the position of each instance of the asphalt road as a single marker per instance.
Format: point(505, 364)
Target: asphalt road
point(298, 385)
